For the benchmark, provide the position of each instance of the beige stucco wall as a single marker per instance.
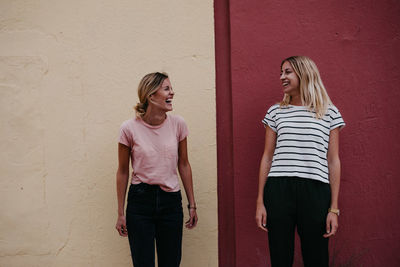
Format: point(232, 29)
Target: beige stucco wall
point(68, 77)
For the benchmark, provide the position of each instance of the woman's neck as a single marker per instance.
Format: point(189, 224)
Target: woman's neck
point(296, 100)
point(154, 117)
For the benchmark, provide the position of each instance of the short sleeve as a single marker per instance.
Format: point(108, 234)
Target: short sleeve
point(270, 117)
point(336, 118)
point(125, 136)
point(182, 128)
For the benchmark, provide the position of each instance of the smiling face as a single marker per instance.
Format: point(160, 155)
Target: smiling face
point(162, 98)
point(290, 80)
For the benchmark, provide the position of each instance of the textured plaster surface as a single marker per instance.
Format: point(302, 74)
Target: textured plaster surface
point(68, 77)
point(356, 47)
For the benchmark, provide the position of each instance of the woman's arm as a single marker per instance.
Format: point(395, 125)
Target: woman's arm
point(185, 172)
point(265, 166)
point(122, 182)
point(334, 181)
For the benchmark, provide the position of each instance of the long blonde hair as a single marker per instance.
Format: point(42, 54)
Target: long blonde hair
point(312, 91)
point(149, 84)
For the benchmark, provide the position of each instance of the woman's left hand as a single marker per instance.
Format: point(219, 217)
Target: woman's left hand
point(192, 222)
point(331, 224)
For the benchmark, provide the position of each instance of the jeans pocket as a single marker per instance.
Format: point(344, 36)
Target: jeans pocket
point(176, 194)
point(171, 201)
point(139, 188)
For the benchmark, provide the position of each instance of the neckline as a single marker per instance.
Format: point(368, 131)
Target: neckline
point(154, 126)
point(300, 106)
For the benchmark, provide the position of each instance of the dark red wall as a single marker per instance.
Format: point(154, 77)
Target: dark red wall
point(356, 45)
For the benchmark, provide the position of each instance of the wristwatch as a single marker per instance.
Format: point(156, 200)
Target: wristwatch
point(191, 207)
point(336, 211)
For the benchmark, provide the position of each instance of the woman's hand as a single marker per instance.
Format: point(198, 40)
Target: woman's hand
point(192, 222)
point(121, 226)
point(331, 224)
point(261, 217)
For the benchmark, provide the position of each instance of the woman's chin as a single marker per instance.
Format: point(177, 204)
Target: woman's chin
point(286, 91)
point(290, 91)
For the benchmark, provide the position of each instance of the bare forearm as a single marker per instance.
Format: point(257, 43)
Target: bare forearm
point(265, 166)
point(334, 180)
point(122, 182)
point(266, 162)
point(185, 172)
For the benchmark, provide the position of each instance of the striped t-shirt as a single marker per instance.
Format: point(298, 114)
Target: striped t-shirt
point(302, 141)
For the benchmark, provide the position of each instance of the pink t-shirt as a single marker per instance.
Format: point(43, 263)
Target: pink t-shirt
point(154, 150)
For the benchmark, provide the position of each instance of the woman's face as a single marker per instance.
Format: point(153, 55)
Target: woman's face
point(289, 79)
point(162, 98)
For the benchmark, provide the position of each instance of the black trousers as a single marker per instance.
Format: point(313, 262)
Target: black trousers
point(154, 216)
point(297, 202)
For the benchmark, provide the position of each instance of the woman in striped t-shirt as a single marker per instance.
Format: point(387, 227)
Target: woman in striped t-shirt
point(300, 168)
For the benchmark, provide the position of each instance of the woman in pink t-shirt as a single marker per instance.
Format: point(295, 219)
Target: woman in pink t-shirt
point(156, 145)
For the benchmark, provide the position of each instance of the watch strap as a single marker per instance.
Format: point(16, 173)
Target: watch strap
point(336, 211)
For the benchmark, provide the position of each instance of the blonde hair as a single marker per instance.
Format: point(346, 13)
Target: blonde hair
point(149, 84)
point(312, 91)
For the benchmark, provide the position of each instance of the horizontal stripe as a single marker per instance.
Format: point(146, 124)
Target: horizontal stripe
point(301, 147)
point(300, 116)
point(308, 112)
point(266, 119)
point(337, 124)
point(305, 167)
point(310, 173)
point(283, 108)
point(296, 153)
point(292, 111)
point(302, 160)
point(303, 128)
point(331, 109)
point(299, 140)
point(312, 122)
point(304, 134)
point(273, 109)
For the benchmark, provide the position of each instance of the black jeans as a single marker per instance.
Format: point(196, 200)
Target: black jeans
point(297, 202)
point(154, 216)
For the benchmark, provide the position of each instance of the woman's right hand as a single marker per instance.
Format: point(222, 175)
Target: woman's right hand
point(261, 217)
point(121, 226)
